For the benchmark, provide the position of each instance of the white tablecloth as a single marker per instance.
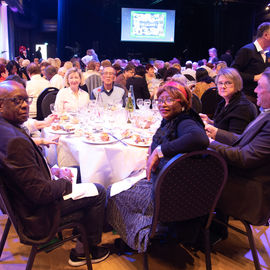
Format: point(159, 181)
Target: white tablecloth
point(104, 164)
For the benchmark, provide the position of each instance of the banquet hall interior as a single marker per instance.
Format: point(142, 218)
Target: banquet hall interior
point(66, 29)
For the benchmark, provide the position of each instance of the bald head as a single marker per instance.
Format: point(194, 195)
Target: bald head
point(14, 105)
point(7, 87)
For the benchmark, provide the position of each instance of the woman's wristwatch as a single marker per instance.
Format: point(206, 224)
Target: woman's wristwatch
point(159, 152)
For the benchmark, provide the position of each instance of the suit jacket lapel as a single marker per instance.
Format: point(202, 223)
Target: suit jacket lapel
point(36, 148)
point(267, 59)
point(249, 134)
point(258, 54)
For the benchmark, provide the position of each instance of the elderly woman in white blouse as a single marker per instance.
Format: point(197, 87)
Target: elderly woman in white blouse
point(72, 98)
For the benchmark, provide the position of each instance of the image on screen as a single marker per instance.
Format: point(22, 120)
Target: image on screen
point(147, 25)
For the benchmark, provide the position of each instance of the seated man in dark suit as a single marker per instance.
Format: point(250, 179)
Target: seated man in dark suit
point(247, 193)
point(36, 198)
point(251, 60)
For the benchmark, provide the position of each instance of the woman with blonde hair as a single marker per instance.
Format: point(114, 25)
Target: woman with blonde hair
point(235, 111)
point(72, 98)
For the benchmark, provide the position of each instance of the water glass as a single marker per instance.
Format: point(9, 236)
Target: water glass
point(154, 105)
point(147, 103)
point(52, 108)
point(118, 104)
point(139, 102)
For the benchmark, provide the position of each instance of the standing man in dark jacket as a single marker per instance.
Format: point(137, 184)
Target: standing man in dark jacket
point(35, 197)
point(251, 60)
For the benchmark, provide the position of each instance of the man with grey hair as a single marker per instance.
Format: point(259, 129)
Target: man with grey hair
point(189, 70)
point(251, 60)
point(53, 77)
point(35, 86)
point(246, 193)
point(109, 93)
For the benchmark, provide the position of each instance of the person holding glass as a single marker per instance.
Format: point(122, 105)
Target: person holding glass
point(72, 98)
point(233, 113)
point(181, 131)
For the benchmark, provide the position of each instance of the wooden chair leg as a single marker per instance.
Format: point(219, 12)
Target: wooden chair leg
point(252, 246)
point(31, 258)
point(4, 236)
point(207, 250)
point(145, 261)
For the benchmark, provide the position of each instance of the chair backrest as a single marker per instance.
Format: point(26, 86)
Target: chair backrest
point(188, 187)
point(189, 77)
point(5, 204)
point(196, 103)
point(92, 82)
point(70, 221)
point(46, 97)
point(210, 100)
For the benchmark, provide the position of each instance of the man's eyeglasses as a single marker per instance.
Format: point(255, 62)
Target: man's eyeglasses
point(168, 101)
point(20, 100)
point(225, 84)
point(108, 73)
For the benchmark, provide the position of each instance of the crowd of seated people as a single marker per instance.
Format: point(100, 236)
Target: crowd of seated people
point(53, 71)
point(236, 132)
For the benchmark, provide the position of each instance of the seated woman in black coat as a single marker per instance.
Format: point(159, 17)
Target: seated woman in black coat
point(139, 83)
point(235, 112)
point(130, 212)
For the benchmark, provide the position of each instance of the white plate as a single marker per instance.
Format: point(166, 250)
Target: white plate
point(60, 131)
point(130, 141)
point(112, 140)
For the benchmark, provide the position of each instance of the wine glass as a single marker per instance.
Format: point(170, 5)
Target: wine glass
point(118, 104)
point(139, 102)
point(53, 108)
point(147, 103)
point(154, 105)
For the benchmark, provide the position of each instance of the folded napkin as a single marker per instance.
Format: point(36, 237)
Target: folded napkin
point(127, 183)
point(81, 190)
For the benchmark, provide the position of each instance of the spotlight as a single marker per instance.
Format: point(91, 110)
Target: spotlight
point(267, 7)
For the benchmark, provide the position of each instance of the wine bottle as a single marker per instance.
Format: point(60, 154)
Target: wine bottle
point(132, 96)
point(129, 104)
